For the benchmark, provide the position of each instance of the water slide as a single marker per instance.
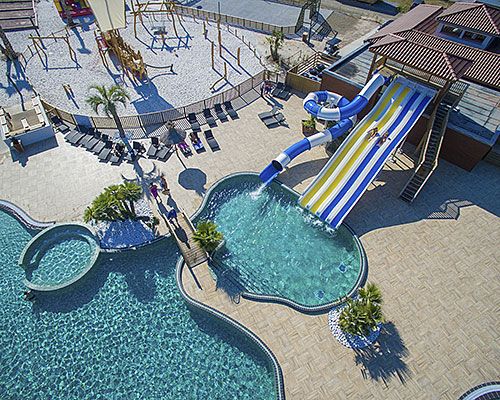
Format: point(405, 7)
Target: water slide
point(359, 159)
point(337, 108)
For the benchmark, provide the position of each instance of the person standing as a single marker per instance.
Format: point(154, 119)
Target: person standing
point(164, 186)
point(154, 191)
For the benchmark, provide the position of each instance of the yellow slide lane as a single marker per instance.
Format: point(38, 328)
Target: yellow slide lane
point(360, 131)
point(360, 150)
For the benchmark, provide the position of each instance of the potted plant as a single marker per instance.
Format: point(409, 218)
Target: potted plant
point(309, 126)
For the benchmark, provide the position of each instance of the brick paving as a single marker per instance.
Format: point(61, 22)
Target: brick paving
point(437, 261)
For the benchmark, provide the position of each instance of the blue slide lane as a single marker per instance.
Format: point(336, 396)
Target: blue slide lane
point(363, 164)
point(380, 162)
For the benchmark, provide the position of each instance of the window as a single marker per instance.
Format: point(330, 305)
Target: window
point(474, 37)
point(451, 31)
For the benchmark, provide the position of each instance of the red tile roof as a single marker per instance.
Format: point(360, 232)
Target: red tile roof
point(475, 16)
point(486, 65)
point(422, 18)
point(427, 59)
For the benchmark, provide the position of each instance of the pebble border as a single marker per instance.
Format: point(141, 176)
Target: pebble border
point(346, 339)
point(278, 373)
point(318, 309)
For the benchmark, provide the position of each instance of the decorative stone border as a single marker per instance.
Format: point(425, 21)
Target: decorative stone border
point(22, 216)
point(347, 340)
point(39, 237)
point(278, 374)
point(318, 309)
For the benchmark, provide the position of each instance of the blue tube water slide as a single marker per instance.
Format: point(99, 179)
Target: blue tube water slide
point(335, 108)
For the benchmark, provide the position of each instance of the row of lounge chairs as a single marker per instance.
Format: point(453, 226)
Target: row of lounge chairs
point(273, 118)
point(160, 151)
point(222, 115)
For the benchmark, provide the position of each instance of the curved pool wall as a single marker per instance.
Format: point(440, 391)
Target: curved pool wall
point(232, 324)
point(23, 216)
point(51, 233)
point(307, 309)
point(67, 326)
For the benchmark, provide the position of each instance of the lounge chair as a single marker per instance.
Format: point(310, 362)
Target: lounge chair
point(196, 142)
point(185, 149)
point(138, 147)
point(209, 118)
point(154, 148)
point(93, 141)
point(195, 126)
point(275, 121)
point(117, 154)
point(268, 114)
point(101, 144)
point(163, 152)
point(279, 87)
point(220, 113)
point(106, 151)
point(230, 110)
point(211, 140)
point(75, 138)
point(59, 124)
point(284, 94)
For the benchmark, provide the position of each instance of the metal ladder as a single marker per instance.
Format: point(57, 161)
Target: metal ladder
point(429, 155)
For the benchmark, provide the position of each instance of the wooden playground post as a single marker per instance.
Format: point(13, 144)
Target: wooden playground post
point(205, 29)
point(220, 43)
point(238, 56)
point(221, 79)
point(213, 51)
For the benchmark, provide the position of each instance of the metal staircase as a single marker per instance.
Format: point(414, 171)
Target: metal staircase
point(430, 152)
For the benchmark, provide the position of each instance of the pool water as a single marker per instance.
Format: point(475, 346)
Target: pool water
point(274, 247)
point(122, 332)
point(59, 256)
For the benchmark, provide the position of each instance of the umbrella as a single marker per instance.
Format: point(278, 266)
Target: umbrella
point(173, 135)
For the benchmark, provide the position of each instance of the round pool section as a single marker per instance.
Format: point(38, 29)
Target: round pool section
point(58, 256)
point(274, 250)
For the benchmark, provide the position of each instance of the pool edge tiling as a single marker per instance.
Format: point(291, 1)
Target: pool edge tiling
point(307, 309)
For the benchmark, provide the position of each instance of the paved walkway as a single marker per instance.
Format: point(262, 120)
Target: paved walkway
point(437, 260)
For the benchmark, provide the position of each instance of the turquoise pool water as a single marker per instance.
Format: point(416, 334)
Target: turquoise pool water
point(274, 247)
point(59, 255)
point(121, 332)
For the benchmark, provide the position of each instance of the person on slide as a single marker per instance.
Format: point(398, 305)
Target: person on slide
point(372, 133)
point(383, 138)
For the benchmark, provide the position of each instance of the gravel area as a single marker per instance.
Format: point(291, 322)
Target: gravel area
point(347, 340)
point(123, 234)
point(190, 55)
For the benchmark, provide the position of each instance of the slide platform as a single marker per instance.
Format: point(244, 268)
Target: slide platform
point(359, 159)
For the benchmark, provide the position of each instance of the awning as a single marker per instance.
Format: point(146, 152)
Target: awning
point(109, 14)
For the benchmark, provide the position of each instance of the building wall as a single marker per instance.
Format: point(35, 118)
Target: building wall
point(457, 148)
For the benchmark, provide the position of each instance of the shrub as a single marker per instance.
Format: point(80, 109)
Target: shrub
point(207, 235)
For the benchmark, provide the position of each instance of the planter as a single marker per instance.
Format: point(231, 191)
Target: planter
point(308, 130)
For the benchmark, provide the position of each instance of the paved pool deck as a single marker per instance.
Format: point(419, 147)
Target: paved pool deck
point(437, 261)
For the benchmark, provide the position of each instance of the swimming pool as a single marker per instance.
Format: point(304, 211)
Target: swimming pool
point(273, 247)
point(58, 256)
point(121, 332)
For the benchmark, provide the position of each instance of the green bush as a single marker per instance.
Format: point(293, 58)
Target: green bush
point(309, 123)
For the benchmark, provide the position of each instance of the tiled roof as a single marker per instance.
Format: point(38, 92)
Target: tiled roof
point(476, 16)
point(424, 58)
point(422, 18)
point(486, 65)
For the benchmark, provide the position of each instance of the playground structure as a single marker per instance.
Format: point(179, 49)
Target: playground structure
point(39, 46)
point(158, 13)
point(77, 8)
point(361, 156)
point(131, 61)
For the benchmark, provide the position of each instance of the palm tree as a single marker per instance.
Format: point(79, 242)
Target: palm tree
point(107, 99)
point(115, 194)
point(89, 214)
point(371, 294)
point(131, 192)
point(7, 48)
point(361, 316)
point(275, 42)
point(207, 235)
